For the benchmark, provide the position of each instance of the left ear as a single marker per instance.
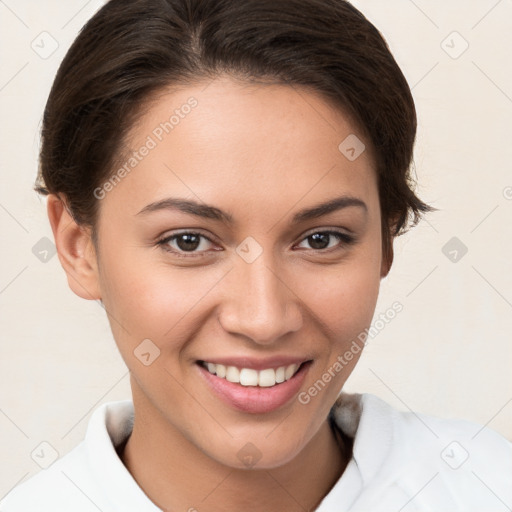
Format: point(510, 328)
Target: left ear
point(387, 249)
point(387, 257)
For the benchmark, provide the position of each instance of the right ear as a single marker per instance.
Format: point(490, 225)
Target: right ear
point(387, 249)
point(75, 249)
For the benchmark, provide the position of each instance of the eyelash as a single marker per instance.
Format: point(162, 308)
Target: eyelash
point(344, 238)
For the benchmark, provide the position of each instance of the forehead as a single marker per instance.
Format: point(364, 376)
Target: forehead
point(219, 139)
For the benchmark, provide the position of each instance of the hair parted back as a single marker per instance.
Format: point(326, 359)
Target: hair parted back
point(131, 49)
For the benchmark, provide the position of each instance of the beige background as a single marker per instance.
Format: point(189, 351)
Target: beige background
point(448, 353)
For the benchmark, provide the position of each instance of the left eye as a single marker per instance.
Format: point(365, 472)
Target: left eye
point(321, 239)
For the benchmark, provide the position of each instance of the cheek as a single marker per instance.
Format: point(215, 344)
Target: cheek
point(344, 296)
point(147, 298)
point(343, 299)
point(346, 307)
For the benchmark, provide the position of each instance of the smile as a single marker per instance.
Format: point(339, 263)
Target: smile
point(255, 387)
point(264, 378)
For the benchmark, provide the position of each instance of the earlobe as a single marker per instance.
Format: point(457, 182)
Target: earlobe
point(75, 250)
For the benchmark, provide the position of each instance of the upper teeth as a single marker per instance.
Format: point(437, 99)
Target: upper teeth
point(249, 377)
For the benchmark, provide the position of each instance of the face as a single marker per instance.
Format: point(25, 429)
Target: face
point(212, 250)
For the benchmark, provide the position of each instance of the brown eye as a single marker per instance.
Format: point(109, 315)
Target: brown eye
point(322, 240)
point(319, 240)
point(186, 242)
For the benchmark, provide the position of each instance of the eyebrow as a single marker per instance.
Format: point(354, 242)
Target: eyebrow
point(211, 212)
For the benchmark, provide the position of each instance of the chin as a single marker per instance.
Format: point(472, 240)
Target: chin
point(266, 449)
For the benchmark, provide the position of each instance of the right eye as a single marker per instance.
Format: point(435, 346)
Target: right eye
point(184, 244)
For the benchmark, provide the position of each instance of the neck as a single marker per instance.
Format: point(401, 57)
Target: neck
point(175, 475)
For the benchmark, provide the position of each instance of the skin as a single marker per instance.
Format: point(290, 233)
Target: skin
point(261, 153)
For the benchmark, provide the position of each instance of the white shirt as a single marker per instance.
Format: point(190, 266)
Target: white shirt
point(402, 461)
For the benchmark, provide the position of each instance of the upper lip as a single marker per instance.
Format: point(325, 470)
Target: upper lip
point(257, 364)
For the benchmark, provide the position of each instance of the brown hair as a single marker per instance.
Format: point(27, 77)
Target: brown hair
point(131, 49)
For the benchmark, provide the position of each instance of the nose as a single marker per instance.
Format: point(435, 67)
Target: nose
point(260, 304)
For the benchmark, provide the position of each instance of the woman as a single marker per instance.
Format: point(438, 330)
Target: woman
point(227, 178)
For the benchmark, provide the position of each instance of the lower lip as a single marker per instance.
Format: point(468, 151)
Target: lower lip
point(255, 399)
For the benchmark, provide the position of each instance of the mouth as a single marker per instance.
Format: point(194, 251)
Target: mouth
point(254, 388)
point(265, 378)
